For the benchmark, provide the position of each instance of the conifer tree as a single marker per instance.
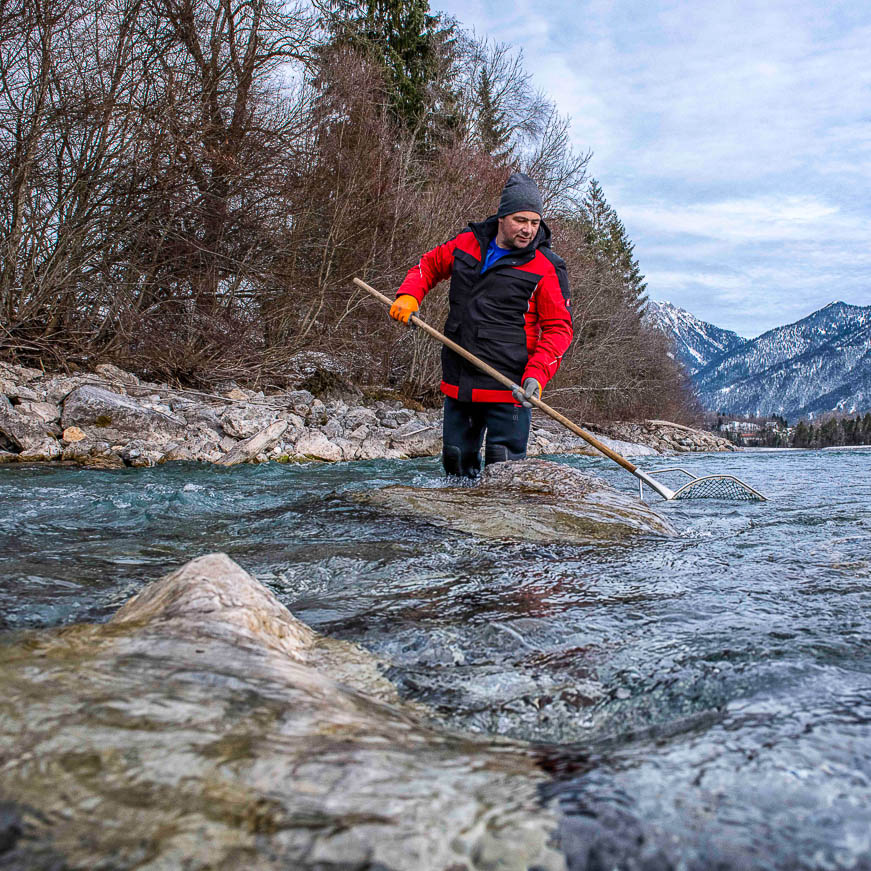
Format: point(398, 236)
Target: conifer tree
point(801, 436)
point(401, 36)
point(607, 236)
point(597, 216)
point(493, 129)
point(626, 263)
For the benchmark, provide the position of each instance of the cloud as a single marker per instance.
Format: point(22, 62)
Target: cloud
point(733, 140)
point(753, 219)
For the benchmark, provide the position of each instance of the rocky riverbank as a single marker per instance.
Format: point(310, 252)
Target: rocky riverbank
point(110, 418)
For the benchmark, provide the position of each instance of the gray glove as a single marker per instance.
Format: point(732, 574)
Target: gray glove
point(531, 389)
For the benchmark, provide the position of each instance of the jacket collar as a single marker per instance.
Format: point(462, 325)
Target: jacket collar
point(486, 230)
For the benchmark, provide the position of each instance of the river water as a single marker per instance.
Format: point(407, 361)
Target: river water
point(698, 702)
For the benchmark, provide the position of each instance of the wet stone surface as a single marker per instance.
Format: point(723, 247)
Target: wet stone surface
point(527, 500)
point(205, 727)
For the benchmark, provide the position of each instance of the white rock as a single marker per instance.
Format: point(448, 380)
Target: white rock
point(88, 405)
point(317, 412)
point(349, 449)
point(251, 448)
point(242, 422)
point(417, 439)
point(47, 412)
point(24, 393)
point(315, 445)
point(59, 387)
point(19, 374)
point(115, 375)
point(139, 454)
point(360, 416)
point(24, 431)
point(332, 429)
point(48, 449)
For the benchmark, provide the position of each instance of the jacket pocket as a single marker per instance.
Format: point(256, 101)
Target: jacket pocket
point(504, 348)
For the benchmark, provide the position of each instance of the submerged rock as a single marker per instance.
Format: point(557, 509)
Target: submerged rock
point(205, 727)
point(529, 500)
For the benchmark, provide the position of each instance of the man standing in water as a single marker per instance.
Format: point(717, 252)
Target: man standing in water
point(510, 306)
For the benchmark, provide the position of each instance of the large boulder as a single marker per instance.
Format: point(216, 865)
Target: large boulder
point(258, 444)
point(314, 445)
point(93, 406)
point(205, 727)
point(528, 500)
point(244, 421)
point(417, 438)
point(21, 432)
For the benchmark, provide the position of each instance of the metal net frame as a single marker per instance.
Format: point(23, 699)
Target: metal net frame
point(711, 487)
point(718, 487)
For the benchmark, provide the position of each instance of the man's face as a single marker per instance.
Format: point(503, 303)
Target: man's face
point(517, 230)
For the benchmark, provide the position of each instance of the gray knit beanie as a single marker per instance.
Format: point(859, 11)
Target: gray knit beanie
point(520, 194)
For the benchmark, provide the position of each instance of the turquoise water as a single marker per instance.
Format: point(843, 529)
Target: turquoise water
point(699, 702)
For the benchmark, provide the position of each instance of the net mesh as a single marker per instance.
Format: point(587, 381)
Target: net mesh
point(718, 487)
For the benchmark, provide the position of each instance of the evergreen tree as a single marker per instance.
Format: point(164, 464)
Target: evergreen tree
point(607, 236)
point(597, 217)
point(625, 262)
point(402, 37)
point(493, 129)
point(830, 434)
point(849, 428)
point(801, 436)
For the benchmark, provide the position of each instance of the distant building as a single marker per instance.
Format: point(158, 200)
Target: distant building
point(741, 426)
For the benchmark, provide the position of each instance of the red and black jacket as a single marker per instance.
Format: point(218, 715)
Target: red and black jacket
point(516, 316)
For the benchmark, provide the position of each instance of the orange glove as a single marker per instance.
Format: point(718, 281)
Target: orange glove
point(404, 307)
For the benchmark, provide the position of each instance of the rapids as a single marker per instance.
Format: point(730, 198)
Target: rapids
point(695, 701)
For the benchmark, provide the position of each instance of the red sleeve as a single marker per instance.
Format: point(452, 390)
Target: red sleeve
point(550, 317)
point(434, 266)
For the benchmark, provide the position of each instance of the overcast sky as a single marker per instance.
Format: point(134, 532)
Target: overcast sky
point(732, 138)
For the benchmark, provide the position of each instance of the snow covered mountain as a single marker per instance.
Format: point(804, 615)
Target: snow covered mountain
point(819, 364)
point(696, 343)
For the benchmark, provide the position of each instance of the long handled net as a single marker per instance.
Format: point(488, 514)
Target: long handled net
point(707, 487)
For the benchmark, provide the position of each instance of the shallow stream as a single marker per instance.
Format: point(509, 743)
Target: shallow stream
point(698, 702)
